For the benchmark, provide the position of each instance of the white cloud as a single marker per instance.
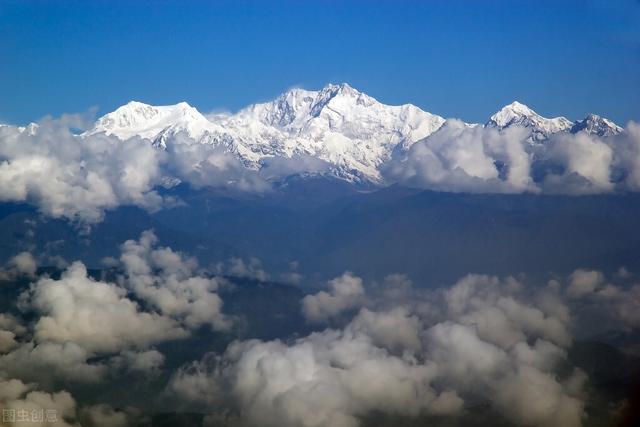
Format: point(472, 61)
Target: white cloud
point(251, 269)
point(582, 156)
point(84, 328)
point(627, 155)
point(459, 158)
point(396, 330)
point(466, 159)
point(66, 176)
point(81, 177)
point(59, 406)
point(345, 292)
point(171, 282)
point(21, 265)
point(148, 362)
point(618, 304)
point(482, 338)
point(95, 315)
point(325, 379)
point(583, 282)
point(49, 361)
point(25, 405)
point(195, 383)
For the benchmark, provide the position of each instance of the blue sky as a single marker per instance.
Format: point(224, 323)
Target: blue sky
point(455, 58)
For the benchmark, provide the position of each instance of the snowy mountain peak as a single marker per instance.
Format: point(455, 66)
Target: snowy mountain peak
point(348, 129)
point(341, 96)
point(596, 125)
point(518, 114)
point(512, 112)
point(331, 91)
point(282, 111)
point(147, 121)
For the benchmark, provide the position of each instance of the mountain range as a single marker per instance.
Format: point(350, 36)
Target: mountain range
point(349, 130)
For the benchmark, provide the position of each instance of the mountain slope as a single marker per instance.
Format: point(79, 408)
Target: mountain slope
point(596, 125)
point(146, 121)
point(517, 114)
point(338, 124)
point(349, 130)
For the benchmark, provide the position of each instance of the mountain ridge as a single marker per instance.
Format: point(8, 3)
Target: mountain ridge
point(348, 129)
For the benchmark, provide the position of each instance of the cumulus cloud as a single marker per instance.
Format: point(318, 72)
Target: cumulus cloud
point(476, 159)
point(10, 328)
point(583, 282)
point(482, 339)
point(147, 362)
point(252, 268)
point(586, 163)
point(391, 348)
point(325, 379)
point(79, 177)
point(21, 265)
point(396, 330)
point(204, 165)
point(196, 383)
point(467, 159)
point(66, 176)
point(47, 362)
point(36, 408)
point(84, 328)
point(96, 315)
point(171, 283)
point(345, 292)
point(627, 155)
point(23, 404)
point(616, 304)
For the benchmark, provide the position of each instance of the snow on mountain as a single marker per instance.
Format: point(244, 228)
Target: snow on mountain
point(517, 114)
point(146, 121)
point(596, 125)
point(31, 129)
point(338, 124)
point(348, 129)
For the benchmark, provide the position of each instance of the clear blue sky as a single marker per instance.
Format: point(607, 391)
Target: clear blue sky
point(454, 58)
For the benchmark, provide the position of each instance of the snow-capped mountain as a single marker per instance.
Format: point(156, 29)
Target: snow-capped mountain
point(338, 124)
point(146, 121)
point(30, 129)
point(517, 114)
point(596, 125)
point(351, 131)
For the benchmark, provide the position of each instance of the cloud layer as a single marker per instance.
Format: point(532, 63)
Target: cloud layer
point(387, 347)
point(80, 177)
point(407, 352)
point(84, 328)
point(476, 159)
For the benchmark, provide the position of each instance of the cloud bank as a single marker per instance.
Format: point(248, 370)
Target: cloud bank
point(388, 348)
point(79, 177)
point(407, 352)
point(462, 158)
point(85, 329)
